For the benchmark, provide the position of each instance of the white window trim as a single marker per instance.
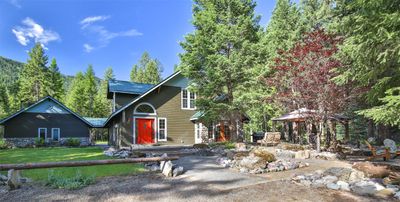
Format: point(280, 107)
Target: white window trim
point(165, 129)
point(187, 100)
point(198, 127)
point(59, 133)
point(45, 132)
point(141, 113)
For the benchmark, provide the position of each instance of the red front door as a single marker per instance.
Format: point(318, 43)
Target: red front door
point(145, 131)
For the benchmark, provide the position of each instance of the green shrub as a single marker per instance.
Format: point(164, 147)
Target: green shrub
point(3, 144)
point(39, 142)
point(76, 182)
point(73, 142)
point(229, 145)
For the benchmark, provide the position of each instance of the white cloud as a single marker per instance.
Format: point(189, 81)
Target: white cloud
point(92, 19)
point(15, 3)
point(88, 48)
point(32, 30)
point(99, 34)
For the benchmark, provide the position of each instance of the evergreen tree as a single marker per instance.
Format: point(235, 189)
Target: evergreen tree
point(75, 99)
point(55, 88)
point(102, 104)
point(147, 70)
point(4, 102)
point(220, 54)
point(33, 79)
point(90, 91)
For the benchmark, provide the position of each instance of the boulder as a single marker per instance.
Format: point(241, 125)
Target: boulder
point(14, 181)
point(253, 162)
point(3, 177)
point(366, 187)
point(263, 153)
point(397, 195)
point(306, 183)
point(177, 171)
point(372, 171)
point(154, 167)
point(167, 169)
point(330, 179)
point(340, 172)
point(343, 185)
point(356, 176)
point(240, 146)
point(300, 155)
point(244, 170)
point(333, 186)
point(384, 193)
point(285, 153)
point(318, 183)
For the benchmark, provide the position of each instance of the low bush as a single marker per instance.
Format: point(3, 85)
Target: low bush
point(73, 142)
point(3, 144)
point(40, 142)
point(76, 182)
point(229, 145)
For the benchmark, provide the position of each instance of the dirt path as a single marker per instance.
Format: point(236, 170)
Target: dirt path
point(204, 182)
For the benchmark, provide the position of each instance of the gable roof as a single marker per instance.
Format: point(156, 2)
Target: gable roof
point(127, 87)
point(40, 101)
point(96, 122)
point(142, 95)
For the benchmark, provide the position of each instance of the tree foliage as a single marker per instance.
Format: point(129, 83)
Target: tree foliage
point(219, 54)
point(55, 86)
point(148, 70)
point(102, 104)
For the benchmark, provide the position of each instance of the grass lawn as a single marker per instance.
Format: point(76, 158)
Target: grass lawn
point(28, 155)
point(101, 142)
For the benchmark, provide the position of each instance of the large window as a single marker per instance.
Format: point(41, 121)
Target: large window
point(42, 133)
point(162, 129)
point(188, 99)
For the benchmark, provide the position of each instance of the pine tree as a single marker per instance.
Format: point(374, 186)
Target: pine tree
point(147, 70)
point(4, 102)
point(56, 86)
point(32, 81)
point(75, 99)
point(90, 91)
point(220, 54)
point(102, 104)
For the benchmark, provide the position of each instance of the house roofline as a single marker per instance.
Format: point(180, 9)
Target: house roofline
point(40, 101)
point(141, 96)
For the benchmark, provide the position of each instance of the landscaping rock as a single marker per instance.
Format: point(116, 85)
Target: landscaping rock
point(343, 185)
point(397, 195)
point(330, 179)
point(318, 183)
point(167, 169)
point(240, 146)
point(253, 162)
point(154, 167)
point(300, 155)
point(177, 171)
point(14, 181)
point(280, 153)
point(366, 187)
point(263, 153)
point(306, 183)
point(384, 193)
point(200, 146)
point(244, 170)
point(372, 171)
point(333, 186)
point(3, 177)
point(340, 172)
point(323, 155)
point(356, 176)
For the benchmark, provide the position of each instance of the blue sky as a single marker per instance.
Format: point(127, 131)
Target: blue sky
point(100, 32)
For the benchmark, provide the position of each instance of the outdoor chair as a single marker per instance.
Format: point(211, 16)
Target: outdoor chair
point(385, 154)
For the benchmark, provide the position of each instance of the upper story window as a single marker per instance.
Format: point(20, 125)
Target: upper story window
point(145, 108)
point(188, 99)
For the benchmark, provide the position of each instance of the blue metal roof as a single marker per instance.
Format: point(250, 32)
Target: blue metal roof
point(96, 122)
point(128, 87)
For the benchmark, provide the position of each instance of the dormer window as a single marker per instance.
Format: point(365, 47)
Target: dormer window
point(188, 99)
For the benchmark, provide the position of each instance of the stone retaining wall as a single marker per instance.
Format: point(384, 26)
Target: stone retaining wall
point(27, 142)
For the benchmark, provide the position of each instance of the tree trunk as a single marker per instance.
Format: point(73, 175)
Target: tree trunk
point(371, 131)
point(318, 139)
point(346, 132)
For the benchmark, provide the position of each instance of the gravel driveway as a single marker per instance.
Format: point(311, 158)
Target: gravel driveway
point(204, 181)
